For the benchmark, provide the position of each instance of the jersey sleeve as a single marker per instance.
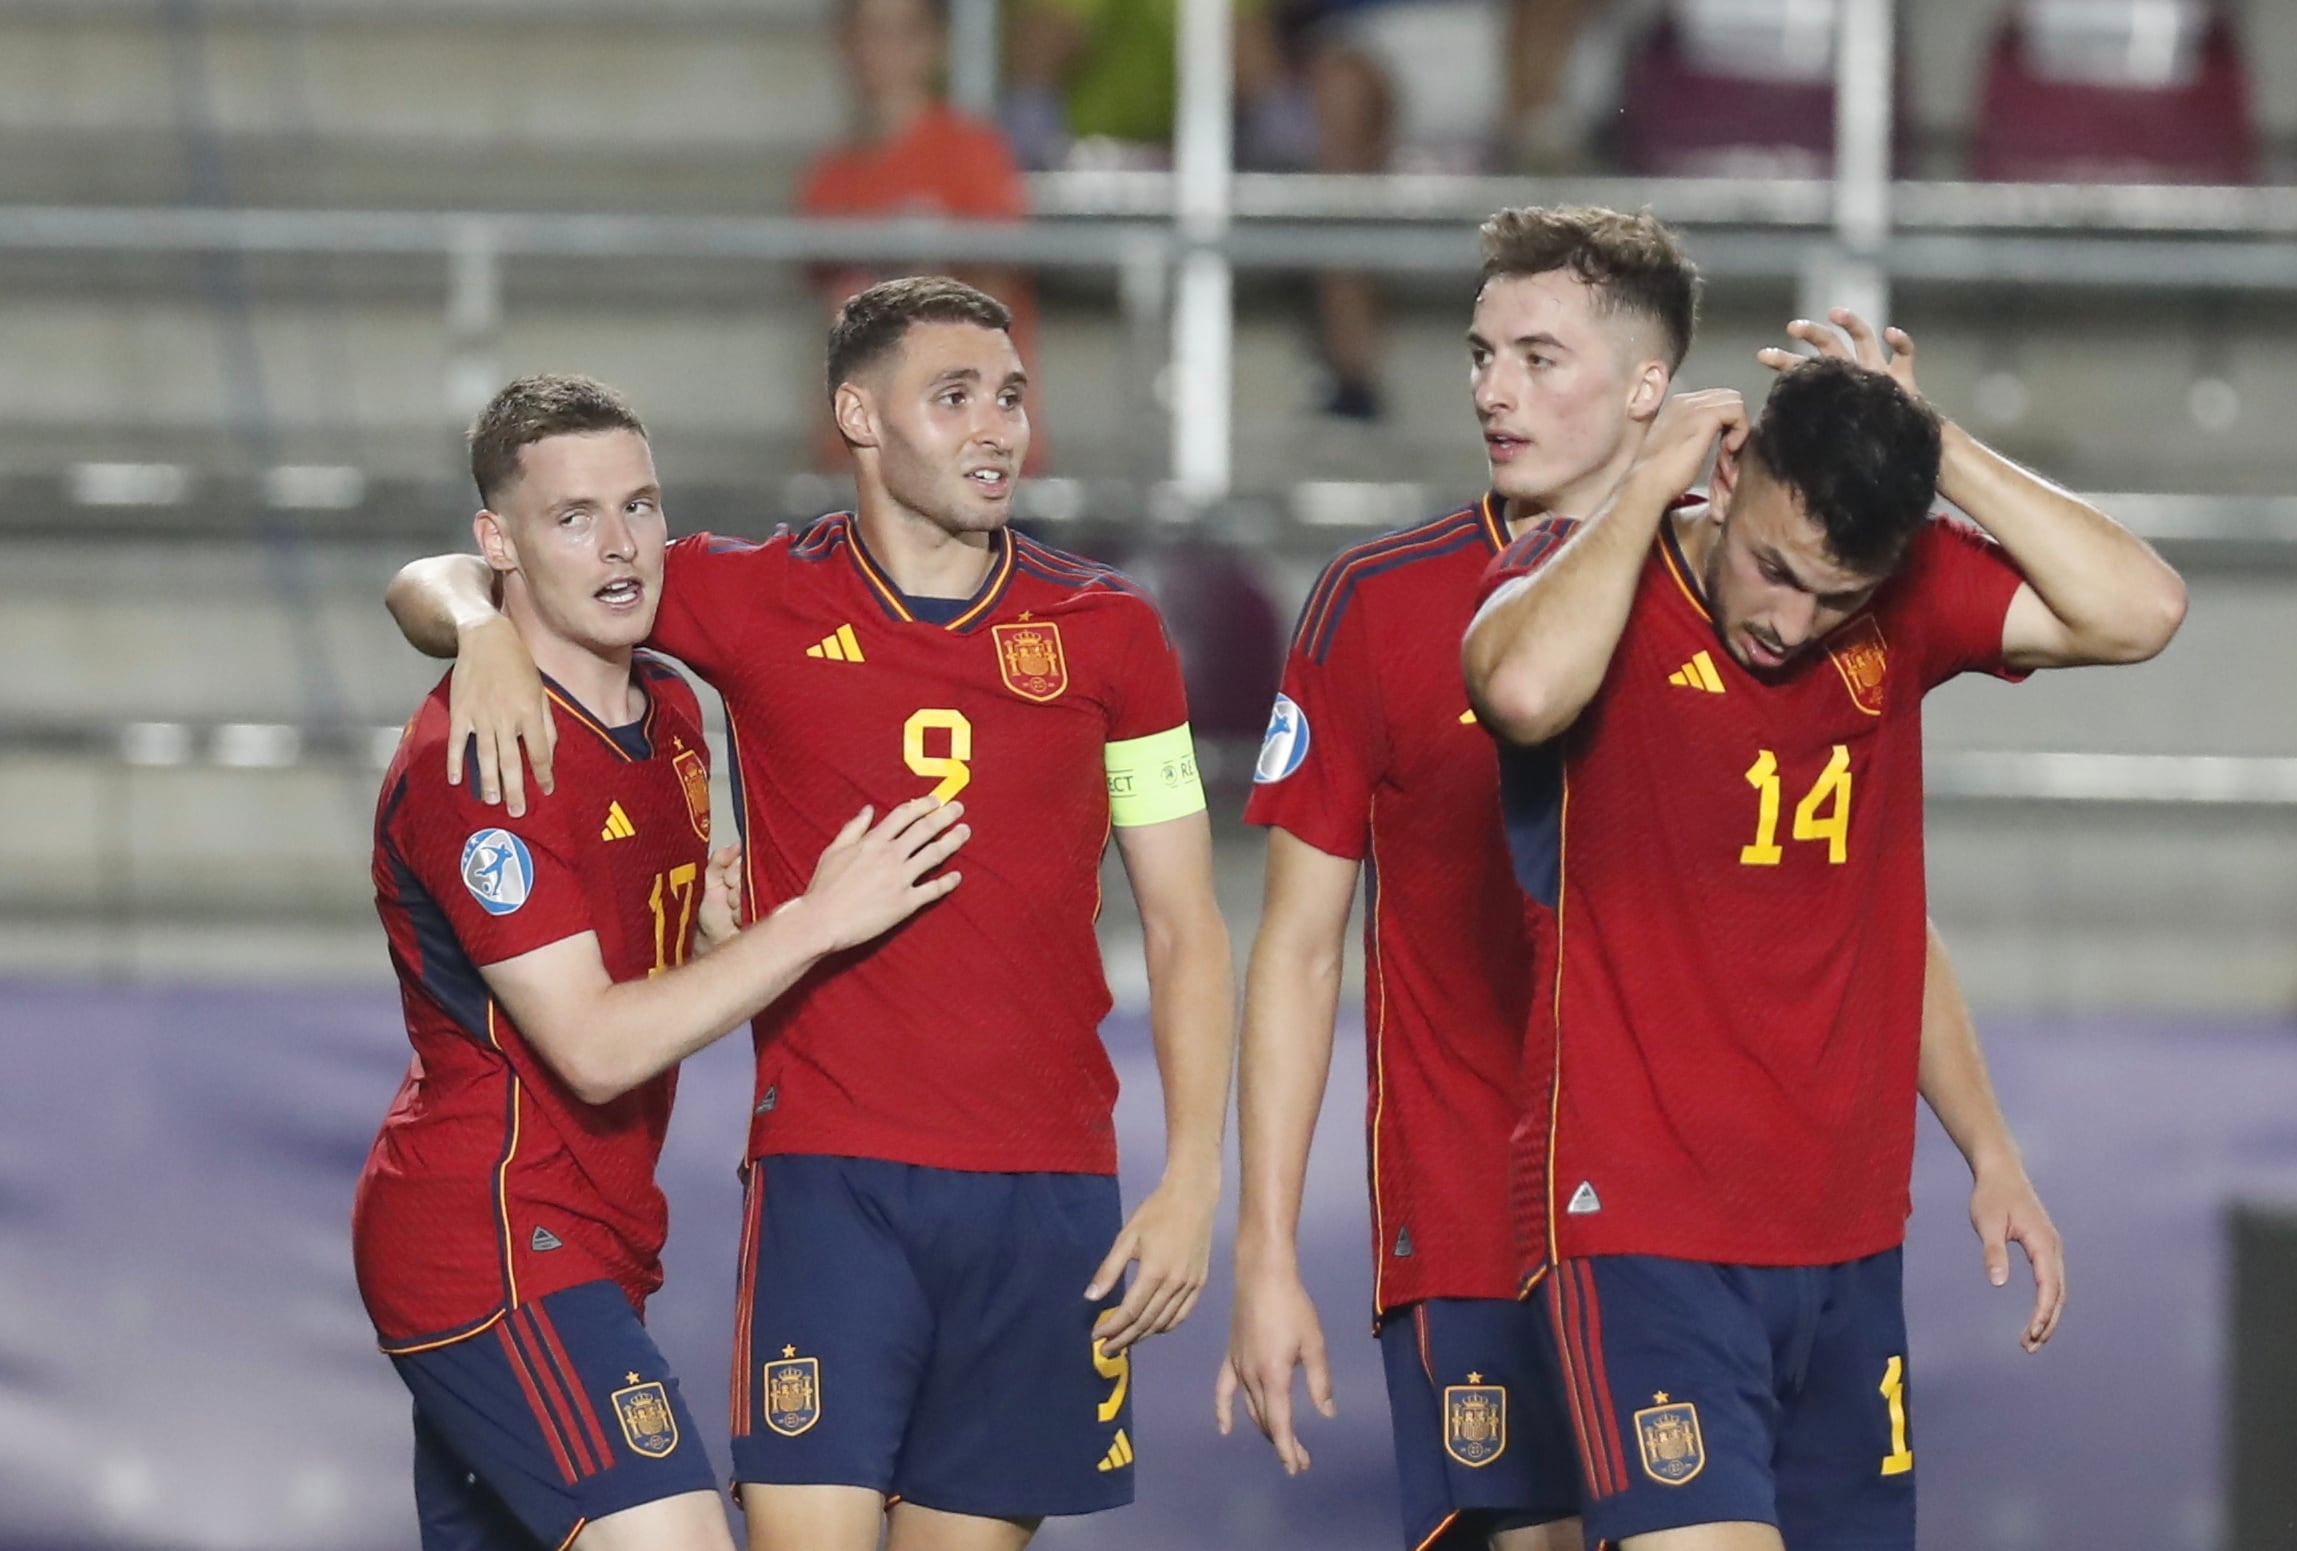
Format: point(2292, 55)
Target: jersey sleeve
point(1324, 748)
point(1149, 752)
point(506, 885)
point(703, 575)
point(1535, 547)
point(1959, 585)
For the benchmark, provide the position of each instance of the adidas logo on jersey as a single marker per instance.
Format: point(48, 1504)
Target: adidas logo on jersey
point(1699, 673)
point(1120, 1453)
point(841, 645)
point(1583, 1201)
point(618, 825)
point(543, 1239)
point(1403, 1249)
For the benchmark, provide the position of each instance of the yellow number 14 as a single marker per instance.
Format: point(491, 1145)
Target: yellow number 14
point(1823, 814)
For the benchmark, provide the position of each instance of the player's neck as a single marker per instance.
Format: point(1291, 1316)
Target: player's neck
point(598, 679)
point(918, 555)
point(887, 119)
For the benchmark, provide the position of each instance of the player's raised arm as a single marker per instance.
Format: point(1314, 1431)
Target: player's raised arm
point(604, 1037)
point(1537, 651)
point(2095, 592)
point(1192, 1018)
point(1291, 1002)
point(2005, 1208)
point(445, 606)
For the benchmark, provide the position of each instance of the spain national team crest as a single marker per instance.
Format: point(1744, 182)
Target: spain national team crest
point(793, 1393)
point(694, 781)
point(1861, 656)
point(648, 1424)
point(1475, 1421)
point(1673, 1451)
point(1030, 660)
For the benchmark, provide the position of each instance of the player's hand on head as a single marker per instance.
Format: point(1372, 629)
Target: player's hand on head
point(496, 706)
point(875, 875)
point(721, 914)
point(1848, 337)
point(1272, 1330)
point(1168, 1241)
point(2005, 1209)
point(1686, 432)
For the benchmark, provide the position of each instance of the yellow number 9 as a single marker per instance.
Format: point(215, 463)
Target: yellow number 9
point(951, 768)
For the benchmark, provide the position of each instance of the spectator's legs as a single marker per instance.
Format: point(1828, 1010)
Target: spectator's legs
point(1355, 114)
point(1540, 35)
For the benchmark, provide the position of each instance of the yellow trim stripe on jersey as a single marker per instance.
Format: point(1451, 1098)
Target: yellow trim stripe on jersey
point(1154, 778)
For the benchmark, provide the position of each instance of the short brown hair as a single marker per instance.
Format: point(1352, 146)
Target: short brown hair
point(534, 409)
point(1633, 263)
point(872, 323)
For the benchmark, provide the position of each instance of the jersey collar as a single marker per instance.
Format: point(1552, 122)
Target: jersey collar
point(631, 744)
point(1494, 514)
point(896, 605)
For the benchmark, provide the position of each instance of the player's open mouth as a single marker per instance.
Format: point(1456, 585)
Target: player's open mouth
point(1502, 449)
point(990, 481)
point(622, 594)
point(1762, 654)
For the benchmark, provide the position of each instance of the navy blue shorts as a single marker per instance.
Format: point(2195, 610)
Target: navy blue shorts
point(557, 1414)
point(1481, 1441)
point(925, 1333)
point(1703, 1394)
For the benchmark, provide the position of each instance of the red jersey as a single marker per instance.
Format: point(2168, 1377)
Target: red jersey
point(967, 1037)
point(1372, 754)
point(492, 1185)
point(1737, 1011)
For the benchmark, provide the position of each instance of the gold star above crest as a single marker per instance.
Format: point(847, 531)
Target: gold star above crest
point(1475, 1378)
point(630, 1378)
point(1659, 1399)
point(1027, 615)
point(789, 1351)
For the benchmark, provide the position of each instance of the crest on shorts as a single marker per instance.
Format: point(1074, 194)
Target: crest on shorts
point(694, 781)
point(1673, 1451)
point(1861, 656)
point(648, 1424)
point(793, 1393)
point(1475, 1421)
point(1030, 660)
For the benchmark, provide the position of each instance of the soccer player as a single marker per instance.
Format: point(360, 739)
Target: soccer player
point(1718, 786)
point(929, 1310)
point(1373, 760)
point(508, 1229)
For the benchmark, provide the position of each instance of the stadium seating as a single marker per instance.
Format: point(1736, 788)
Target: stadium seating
point(2123, 90)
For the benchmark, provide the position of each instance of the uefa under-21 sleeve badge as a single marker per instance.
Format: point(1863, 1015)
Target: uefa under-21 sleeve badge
point(498, 870)
point(1284, 745)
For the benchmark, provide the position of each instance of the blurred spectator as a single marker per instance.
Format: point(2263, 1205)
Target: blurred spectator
point(1456, 84)
point(1096, 82)
point(2139, 90)
point(910, 153)
point(1734, 88)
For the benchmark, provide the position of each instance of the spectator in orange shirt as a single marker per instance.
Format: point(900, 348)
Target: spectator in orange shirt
point(911, 154)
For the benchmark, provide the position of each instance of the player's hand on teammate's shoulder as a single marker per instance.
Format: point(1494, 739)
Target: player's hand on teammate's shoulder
point(1686, 433)
point(721, 914)
point(2006, 1209)
point(1170, 1237)
point(872, 877)
point(1848, 337)
point(1272, 1330)
point(496, 706)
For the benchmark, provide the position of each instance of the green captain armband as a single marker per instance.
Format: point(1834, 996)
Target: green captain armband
point(1154, 778)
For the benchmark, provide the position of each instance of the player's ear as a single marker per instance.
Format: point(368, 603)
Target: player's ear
point(1647, 391)
point(854, 415)
point(494, 540)
point(1723, 483)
